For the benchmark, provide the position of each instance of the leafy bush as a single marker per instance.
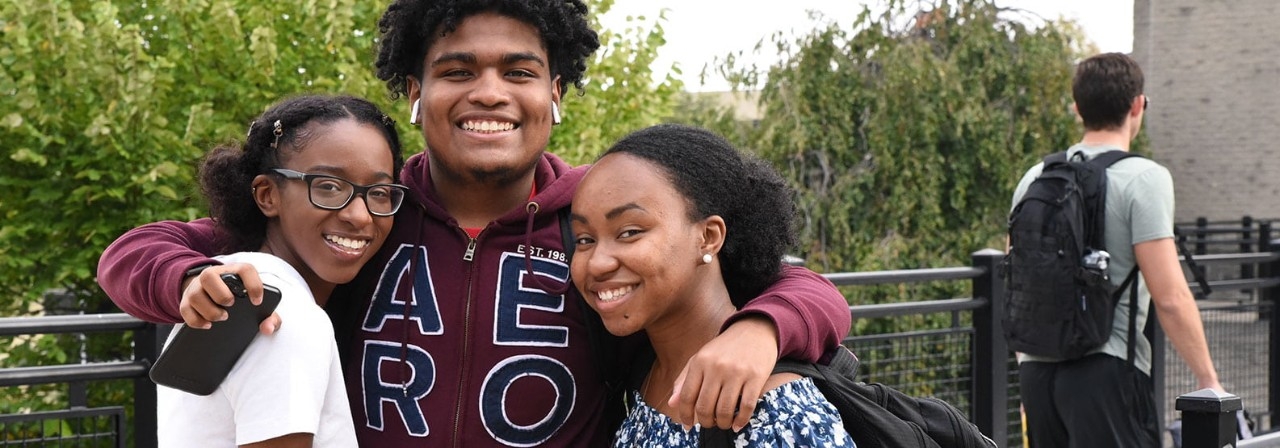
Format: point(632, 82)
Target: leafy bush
point(906, 134)
point(106, 109)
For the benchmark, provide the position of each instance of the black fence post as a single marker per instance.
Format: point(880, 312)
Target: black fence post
point(1246, 234)
point(990, 352)
point(1246, 246)
point(1264, 236)
point(1208, 418)
point(1271, 299)
point(1264, 269)
point(147, 342)
point(1202, 245)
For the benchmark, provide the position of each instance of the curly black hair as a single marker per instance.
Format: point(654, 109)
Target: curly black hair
point(409, 27)
point(227, 172)
point(716, 178)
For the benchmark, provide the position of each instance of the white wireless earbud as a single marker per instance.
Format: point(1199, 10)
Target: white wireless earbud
point(413, 115)
point(555, 113)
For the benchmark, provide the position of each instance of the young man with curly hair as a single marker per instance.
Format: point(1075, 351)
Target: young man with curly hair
point(462, 330)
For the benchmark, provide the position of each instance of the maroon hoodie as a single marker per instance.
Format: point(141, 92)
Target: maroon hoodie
point(495, 351)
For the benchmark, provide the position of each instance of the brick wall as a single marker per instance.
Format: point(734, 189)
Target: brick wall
point(1213, 75)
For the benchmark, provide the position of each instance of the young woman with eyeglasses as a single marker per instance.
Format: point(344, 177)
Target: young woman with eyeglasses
point(307, 200)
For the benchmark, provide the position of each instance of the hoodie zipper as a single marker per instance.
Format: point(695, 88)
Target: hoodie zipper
point(468, 257)
point(471, 251)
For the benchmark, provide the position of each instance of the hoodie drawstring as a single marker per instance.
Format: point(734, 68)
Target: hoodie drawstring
point(408, 304)
point(404, 335)
point(549, 285)
point(541, 282)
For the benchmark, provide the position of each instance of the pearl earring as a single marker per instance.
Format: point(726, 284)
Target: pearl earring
point(706, 258)
point(413, 115)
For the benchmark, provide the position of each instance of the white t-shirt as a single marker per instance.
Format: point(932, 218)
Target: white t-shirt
point(286, 383)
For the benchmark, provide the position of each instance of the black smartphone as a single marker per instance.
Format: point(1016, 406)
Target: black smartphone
point(196, 361)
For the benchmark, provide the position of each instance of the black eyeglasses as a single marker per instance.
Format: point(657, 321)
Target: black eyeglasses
point(334, 193)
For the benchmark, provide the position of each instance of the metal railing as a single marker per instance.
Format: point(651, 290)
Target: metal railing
point(986, 354)
point(146, 345)
point(1205, 237)
point(966, 362)
point(97, 427)
point(991, 398)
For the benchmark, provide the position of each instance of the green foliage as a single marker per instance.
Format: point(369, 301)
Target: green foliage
point(106, 109)
point(906, 134)
point(620, 95)
point(111, 105)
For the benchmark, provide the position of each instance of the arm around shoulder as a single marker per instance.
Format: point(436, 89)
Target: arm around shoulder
point(809, 313)
point(799, 316)
point(142, 271)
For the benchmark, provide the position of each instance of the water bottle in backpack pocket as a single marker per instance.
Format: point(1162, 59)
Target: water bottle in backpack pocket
point(1059, 300)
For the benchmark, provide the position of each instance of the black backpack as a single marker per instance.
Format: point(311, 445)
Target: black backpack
point(875, 415)
point(1059, 301)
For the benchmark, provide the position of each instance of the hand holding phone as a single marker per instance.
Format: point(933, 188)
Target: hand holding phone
point(196, 360)
point(205, 294)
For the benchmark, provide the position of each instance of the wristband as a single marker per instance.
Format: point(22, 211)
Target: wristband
point(196, 270)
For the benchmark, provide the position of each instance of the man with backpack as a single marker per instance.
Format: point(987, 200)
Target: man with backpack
point(1093, 229)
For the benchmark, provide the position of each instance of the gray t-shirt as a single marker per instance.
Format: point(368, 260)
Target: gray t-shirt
point(1139, 209)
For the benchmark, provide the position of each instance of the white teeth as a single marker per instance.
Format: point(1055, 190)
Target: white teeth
point(614, 294)
point(488, 126)
point(347, 243)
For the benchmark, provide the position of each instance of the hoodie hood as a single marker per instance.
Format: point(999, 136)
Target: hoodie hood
point(555, 180)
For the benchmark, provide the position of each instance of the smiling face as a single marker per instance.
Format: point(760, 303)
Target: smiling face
point(327, 247)
point(638, 255)
point(486, 92)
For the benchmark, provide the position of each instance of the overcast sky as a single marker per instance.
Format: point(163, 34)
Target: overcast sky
point(698, 31)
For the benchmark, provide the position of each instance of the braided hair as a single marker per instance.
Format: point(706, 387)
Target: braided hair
point(717, 179)
point(227, 172)
point(408, 28)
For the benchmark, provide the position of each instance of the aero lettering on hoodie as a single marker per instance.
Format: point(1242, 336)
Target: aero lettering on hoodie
point(460, 346)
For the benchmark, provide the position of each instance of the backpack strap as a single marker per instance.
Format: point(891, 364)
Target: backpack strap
point(876, 415)
point(1107, 158)
point(1098, 214)
point(715, 438)
point(843, 362)
point(1056, 158)
point(1102, 161)
point(1131, 283)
